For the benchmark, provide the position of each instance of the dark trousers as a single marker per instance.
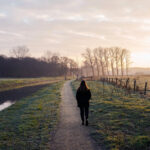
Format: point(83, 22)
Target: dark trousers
point(84, 111)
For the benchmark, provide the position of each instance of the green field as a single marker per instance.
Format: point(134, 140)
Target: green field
point(118, 121)
point(10, 83)
point(30, 122)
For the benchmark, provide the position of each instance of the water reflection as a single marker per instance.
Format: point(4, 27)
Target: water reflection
point(6, 104)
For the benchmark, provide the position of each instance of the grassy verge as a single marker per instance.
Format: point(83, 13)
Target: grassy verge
point(29, 124)
point(8, 84)
point(119, 121)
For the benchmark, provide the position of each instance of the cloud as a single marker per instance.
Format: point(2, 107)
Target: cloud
point(44, 17)
point(75, 18)
point(10, 33)
point(2, 15)
point(102, 18)
point(86, 34)
point(72, 25)
point(52, 41)
point(145, 27)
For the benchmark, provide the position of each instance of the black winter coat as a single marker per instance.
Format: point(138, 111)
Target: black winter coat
point(83, 97)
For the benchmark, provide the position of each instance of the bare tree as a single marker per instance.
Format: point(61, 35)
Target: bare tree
point(122, 59)
point(73, 67)
point(78, 68)
point(64, 63)
point(127, 61)
point(70, 66)
point(106, 58)
point(55, 59)
point(101, 60)
point(112, 60)
point(47, 56)
point(95, 51)
point(86, 67)
point(19, 52)
point(117, 59)
point(89, 58)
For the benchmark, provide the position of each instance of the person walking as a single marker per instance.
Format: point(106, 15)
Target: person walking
point(83, 95)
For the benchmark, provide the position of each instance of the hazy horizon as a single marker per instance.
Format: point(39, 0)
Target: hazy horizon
point(69, 27)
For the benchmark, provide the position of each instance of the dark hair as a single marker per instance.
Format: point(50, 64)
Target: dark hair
point(83, 86)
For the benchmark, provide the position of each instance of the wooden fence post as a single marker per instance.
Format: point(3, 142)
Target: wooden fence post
point(127, 82)
point(103, 86)
point(134, 85)
point(116, 81)
point(145, 88)
point(121, 82)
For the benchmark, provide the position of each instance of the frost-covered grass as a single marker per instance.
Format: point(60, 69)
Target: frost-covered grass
point(30, 122)
point(119, 121)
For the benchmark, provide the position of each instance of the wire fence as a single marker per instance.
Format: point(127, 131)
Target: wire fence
point(130, 84)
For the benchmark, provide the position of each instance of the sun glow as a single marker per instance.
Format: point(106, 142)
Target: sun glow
point(140, 59)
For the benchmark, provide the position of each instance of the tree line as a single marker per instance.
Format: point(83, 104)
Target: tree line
point(106, 61)
point(21, 64)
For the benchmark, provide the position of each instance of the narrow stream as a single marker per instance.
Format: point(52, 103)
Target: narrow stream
point(8, 98)
point(6, 104)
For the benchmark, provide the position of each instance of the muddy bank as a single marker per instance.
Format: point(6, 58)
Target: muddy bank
point(17, 94)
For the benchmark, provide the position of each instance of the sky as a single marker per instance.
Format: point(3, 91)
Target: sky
point(68, 27)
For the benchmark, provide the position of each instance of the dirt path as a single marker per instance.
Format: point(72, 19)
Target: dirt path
point(71, 135)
